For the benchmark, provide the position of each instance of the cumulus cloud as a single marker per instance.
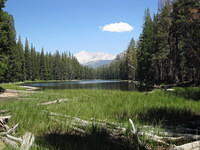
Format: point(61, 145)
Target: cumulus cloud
point(84, 57)
point(117, 27)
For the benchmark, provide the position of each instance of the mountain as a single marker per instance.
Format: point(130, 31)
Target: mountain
point(98, 63)
point(94, 59)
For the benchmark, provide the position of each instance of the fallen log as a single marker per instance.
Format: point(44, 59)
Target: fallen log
point(54, 102)
point(10, 142)
point(188, 146)
point(16, 139)
point(5, 118)
point(13, 129)
point(173, 135)
point(4, 111)
point(116, 131)
point(75, 121)
point(27, 142)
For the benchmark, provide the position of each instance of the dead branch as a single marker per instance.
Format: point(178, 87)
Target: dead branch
point(13, 129)
point(54, 102)
point(10, 142)
point(5, 118)
point(135, 135)
point(27, 142)
point(188, 146)
point(16, 139)
point(4, 111)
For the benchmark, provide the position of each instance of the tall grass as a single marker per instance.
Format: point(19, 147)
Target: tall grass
point(114, 106)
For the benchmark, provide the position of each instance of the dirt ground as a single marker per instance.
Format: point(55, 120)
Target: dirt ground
point(2, 145)
point(8, 94)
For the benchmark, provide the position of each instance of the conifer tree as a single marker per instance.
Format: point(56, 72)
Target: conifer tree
point(145, 73)
point(27, 56)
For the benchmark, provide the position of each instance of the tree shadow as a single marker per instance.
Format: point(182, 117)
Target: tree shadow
point(96, 140)
point(174, 119)
point(187, 93)
point(2, 90)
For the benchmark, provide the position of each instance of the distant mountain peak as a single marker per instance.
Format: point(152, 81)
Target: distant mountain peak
point(88, 58)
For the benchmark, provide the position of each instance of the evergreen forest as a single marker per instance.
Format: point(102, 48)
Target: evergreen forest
point(167, 52)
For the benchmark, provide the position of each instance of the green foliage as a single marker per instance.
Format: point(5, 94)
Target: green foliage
point(169, 45)
point(7, 41)
point(2, 4)
point(145, 73)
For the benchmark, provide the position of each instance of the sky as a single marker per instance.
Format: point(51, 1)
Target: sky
point(80, 25)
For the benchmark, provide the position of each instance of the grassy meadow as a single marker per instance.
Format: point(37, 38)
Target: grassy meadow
point(156, 108)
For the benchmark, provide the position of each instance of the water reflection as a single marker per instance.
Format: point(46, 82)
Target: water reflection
point(88, 84)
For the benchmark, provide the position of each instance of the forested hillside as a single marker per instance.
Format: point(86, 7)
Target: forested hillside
point(168, 50)
point(20, 62)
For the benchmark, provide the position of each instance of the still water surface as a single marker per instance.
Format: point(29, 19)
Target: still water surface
point(87, 84)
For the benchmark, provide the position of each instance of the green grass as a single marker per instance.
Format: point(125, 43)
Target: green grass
point(153, 108)
point(12, 86)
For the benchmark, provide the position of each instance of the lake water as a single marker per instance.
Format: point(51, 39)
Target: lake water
point(87, 84)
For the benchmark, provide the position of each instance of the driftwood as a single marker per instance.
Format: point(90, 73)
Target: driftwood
point(175, 137)
point(27, 141)
point(78, 122)
point(135, 135)
point(116, 131)
point(54, 102)
point(3, 121)
point(5, 118)
point(189, 146)
point(13, 129)
point(16, 139)
point(10, 142)
point(16, 142)
point(4, 111)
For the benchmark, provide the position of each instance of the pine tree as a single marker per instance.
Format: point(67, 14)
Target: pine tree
point(43, 66)
point(131, 57)
point(145, 73)
point(184, 40)
point(160, 57)
point(7, 42)
point(27, 56)
point(21, 59)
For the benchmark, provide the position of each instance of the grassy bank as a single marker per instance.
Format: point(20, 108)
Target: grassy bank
point(156, 108)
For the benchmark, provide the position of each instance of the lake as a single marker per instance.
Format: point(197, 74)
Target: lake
point(87, 84)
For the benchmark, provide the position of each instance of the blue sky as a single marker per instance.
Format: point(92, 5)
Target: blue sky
point(76, 25)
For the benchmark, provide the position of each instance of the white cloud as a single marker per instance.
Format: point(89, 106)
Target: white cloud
point(84, 57)
point(117, 27)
